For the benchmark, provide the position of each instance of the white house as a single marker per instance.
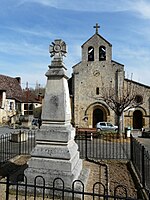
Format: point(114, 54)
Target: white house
point(10, 99)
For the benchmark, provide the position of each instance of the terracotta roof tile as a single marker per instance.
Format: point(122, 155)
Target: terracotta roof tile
point(11, 86)
point(30, 97)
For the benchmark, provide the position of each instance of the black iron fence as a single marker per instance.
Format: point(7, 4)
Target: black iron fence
point(141, 161)
point(108, 146)
point(16, 143)
point(102, 145)
point(97, 146)
point(40, 190)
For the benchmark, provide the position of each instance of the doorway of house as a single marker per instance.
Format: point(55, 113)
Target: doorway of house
point(137, 119)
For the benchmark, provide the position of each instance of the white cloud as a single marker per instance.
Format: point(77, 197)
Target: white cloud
point(142, 7)
point(38, 31)
point(24, 48)
point(84, 5)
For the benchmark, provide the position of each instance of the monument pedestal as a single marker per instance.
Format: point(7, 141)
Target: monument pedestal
point(55, 155)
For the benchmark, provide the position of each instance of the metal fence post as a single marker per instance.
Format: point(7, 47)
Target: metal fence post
point(7, 188)
point(143, 167)
point(86, 156)
point(20, 142)
point(131, 148)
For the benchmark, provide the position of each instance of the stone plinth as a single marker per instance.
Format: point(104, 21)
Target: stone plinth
point(55, 155)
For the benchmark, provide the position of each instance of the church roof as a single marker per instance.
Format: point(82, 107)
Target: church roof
point(76, 64)
point(113, 61)
point(97, 34)
point(11, 86)
point(100, 37)
point(137, 83)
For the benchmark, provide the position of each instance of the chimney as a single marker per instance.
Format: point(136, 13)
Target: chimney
point(19, 80)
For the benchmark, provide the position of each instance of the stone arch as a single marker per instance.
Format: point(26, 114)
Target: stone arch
point(91, 53)
point(102, 53)
point(132, 110)
point(131, 117)
point(137, 119)
point(97, 112)
point(99, 115)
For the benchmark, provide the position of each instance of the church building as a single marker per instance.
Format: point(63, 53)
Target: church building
point(96, 70)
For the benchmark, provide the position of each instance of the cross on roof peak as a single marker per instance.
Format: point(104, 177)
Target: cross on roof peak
point(96, 27)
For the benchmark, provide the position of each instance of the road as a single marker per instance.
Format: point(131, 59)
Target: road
point(4, 130)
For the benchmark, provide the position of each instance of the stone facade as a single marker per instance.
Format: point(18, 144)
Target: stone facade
point(95, 71)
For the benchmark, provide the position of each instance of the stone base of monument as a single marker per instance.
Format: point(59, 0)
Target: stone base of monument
point(57, 189)
point(56, 185)
point(56, 156)
point(44, 168)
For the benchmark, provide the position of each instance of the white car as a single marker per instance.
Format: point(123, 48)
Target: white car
point(106, 126)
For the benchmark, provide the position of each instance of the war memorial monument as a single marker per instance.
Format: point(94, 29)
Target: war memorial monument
point(56, 153)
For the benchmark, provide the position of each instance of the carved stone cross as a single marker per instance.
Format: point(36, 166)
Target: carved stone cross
point(58, 49)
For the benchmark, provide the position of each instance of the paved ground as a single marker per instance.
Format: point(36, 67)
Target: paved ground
point(4, 130)
point(7, 129)
point(145, 142)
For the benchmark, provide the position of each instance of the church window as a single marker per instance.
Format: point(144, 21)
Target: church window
point(102, 53)
point(138, 99)
point(97, 90)
point(90, 54)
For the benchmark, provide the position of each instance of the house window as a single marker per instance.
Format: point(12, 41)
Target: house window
point(102, 53)
point(25, 106)
point(97, 90)
point(18, 106)
point(28, 109)
point(90, 54)
point(11, 106)
point(31, 107)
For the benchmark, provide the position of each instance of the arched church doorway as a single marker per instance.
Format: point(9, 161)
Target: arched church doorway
point(137, 119)
point(98, 116)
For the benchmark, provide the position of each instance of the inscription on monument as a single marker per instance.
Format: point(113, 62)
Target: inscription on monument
point(54, 100)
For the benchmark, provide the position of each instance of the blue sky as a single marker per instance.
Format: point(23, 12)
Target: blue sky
point(27, 28)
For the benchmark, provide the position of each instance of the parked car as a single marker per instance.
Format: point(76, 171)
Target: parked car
point(106, 126)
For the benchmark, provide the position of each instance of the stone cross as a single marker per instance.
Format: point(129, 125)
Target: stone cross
point(58, 49)
point(96, 27)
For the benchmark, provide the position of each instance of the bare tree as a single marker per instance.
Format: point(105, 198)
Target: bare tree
point(126, 96)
